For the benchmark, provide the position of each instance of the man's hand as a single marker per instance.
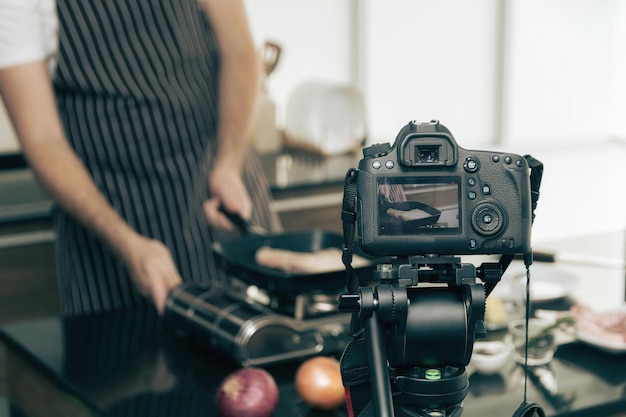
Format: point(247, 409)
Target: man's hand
point(239, 85)
point(27, 93)
point(152, 269)
point(228, 192)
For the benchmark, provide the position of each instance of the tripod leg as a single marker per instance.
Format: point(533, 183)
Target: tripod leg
point(379, 373)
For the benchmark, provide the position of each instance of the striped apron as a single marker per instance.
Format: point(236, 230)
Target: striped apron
point(136, 86)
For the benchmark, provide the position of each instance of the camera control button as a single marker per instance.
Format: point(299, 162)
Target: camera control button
point(505, 243)
point(376, 164)
point(486, 189)
point(471, 181)
point(471, 195)
point(508, 160)
point(495, 158)
point(473, 244)
point(488, 219)
point(471, 164)
point(389, 164)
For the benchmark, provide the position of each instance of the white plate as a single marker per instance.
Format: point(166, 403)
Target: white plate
point(607, 346)
point(325, 118)
point(548, 282)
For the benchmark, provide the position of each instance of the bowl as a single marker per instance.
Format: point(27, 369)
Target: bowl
point(489, 357)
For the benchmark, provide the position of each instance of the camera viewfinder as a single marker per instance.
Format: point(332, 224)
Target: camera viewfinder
point(427, 154)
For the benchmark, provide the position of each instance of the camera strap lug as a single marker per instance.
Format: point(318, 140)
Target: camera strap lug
point(348, 218)
point(536, 173)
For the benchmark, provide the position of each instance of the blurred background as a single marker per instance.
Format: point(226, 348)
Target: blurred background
point(545, 77)
point(540, 76)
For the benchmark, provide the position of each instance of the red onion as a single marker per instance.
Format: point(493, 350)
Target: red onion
point(247, 392)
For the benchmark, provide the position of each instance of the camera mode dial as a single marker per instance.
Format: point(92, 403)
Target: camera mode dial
point(378, 149)
point(488, 219)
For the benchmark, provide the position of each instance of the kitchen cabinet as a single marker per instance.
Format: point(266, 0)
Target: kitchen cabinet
point(310, 207)
point(27, 269)
point(27, 274)
point(308, 188)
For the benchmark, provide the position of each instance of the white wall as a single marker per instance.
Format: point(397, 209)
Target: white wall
point(546, 77)
point(316, 40)
point(316, 37)
point(582, 192)
point(492, 70)
point(564, 60)
point(497, 71)
point(432, 59)
point(564, 101)
point(618, 108)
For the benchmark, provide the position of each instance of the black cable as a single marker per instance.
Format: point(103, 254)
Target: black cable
point(527, 409)
point(526, 332)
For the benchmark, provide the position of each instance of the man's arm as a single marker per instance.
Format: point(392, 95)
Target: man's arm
point(28, 96)
point(238, 91)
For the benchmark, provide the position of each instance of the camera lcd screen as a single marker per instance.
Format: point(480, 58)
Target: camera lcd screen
point(416, 205)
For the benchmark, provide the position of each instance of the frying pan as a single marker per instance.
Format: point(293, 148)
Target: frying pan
point(239, 258)
point(399, 226)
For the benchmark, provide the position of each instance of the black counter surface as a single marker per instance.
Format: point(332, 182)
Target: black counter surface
point(128, 363)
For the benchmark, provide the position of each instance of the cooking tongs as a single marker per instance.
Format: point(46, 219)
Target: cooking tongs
point(246, 227)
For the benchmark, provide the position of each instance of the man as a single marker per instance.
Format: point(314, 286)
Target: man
point(142, 106)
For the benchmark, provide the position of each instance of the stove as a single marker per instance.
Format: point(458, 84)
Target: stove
point(254, 327)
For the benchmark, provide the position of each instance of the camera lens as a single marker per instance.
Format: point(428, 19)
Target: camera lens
point(428, 155)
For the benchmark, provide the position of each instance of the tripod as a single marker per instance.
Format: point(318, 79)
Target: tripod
point(418, 339)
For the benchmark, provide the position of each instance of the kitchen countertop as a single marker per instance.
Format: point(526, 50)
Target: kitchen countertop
point(128, 363)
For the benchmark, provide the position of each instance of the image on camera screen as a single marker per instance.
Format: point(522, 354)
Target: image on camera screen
point(418, 206)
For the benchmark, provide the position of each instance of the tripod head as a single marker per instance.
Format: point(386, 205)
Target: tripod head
point(419, 326)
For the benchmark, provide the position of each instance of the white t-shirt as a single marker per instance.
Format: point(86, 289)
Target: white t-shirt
point(28, 32)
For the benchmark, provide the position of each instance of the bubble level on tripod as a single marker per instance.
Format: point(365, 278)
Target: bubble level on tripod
point(432, 374)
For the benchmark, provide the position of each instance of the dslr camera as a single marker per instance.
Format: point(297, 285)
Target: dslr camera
point(427, 195)
point(421, 202)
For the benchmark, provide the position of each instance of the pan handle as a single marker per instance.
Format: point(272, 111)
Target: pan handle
point(244, 226)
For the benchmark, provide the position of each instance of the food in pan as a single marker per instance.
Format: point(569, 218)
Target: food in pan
point(408, 215)
point(320, 261)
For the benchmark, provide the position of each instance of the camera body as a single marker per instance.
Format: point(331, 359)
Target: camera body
point(425, 195)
